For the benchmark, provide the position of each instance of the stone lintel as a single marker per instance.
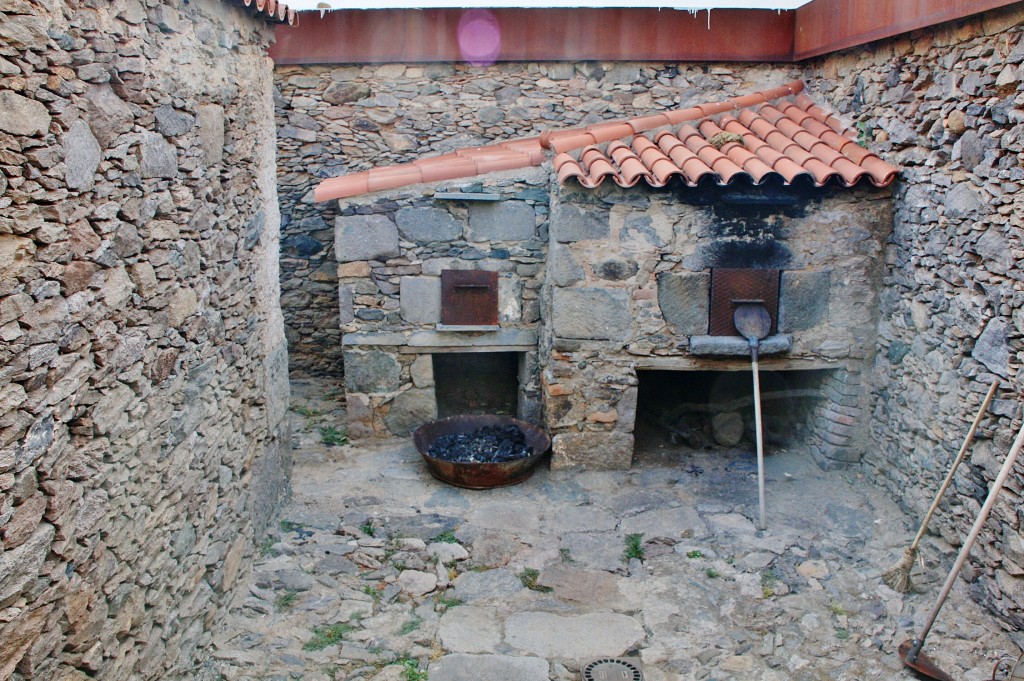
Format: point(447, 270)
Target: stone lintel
point(719, 363)
point(462, 339)
point(439, 349)
point(737, 346)
point(373, 339)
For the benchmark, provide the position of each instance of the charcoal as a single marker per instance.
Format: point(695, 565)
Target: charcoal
point(489, 444)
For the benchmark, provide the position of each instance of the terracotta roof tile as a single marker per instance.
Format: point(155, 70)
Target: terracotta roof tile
point(271, 10)
point(758, 136)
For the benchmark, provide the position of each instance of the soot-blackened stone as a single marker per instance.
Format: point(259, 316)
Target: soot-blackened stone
point(489, 444)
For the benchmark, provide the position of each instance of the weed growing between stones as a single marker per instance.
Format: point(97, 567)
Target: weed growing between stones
point(331, 436)
point(368, 528)
point(769, 578)
point(373, 592)
point(304, 411)
point(529, 578)
point(446, 537)
point(566, 554)
point(447, 601)
point(411, 670)
point(266, 548)
point(634, 547)
point(286, 600)
point(712, 573)
point(696, 553)
point(332, 672)
point(411, 625)
point(329, 635)
point(836, 609)
point(289, 526)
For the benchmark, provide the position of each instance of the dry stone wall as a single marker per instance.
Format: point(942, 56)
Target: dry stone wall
point(337, 119)
point(947, 106)
point(943, 103)
point(143, 369)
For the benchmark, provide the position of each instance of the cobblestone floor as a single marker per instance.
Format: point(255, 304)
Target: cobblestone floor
point(377, 572)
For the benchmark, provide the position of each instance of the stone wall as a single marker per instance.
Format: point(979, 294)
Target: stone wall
point(143, 368)
point(391, 249)
point(629, 283)
point(945, 104)
point(333, 120)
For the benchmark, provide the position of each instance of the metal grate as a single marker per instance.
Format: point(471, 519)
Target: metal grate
point(611, 669)
point(469, 297)
point(731, 287)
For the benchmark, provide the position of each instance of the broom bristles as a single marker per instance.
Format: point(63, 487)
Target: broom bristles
point(897, 577)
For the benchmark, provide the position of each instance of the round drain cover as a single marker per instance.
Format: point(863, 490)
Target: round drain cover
point(611, 669)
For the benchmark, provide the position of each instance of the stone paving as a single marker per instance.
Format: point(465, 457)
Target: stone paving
point(378, 572)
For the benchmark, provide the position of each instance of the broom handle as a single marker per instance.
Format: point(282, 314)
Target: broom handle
point(965, 550)
point(956, 463)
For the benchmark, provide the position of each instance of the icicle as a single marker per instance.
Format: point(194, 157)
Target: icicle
point(709, 18)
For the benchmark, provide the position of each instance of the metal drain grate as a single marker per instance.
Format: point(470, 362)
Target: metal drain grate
point(611, 669)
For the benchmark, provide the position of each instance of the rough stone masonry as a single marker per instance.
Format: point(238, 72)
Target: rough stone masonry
point(143, 369)
point(945, 104)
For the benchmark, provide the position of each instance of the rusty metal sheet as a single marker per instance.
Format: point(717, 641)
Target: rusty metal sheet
point(825, 26)
point(469, 298)
point(731, 287)
point(553, 34)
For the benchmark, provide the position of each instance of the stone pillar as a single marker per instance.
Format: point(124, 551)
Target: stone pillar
point(590, 409)
point(838, 423)
point(387, 393)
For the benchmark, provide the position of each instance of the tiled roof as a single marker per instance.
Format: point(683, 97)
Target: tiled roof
point(756, 137)
point(271, 10)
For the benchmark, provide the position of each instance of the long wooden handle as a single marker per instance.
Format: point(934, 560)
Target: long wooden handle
point(965, 550)
point(760, 439)
point(956, 463)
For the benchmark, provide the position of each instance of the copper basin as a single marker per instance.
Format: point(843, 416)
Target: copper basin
point(480, 475)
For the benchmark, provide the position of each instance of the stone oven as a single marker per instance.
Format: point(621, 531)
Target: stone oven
point(439, 295)
point(558, 292)
point(634, 283)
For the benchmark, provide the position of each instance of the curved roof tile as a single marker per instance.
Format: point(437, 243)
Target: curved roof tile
point(777, 133)
point(271, 10)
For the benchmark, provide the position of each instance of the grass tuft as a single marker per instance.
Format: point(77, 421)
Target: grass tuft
point(634, 547)
point(411, 669)
point(328, 635)
point(304, 411)
point(286, 600)
point(411, 625)
point(529, 578)
point(446, 537)
point(332, 436)
point(266, 548)
point(374, 592)
point(447, 601)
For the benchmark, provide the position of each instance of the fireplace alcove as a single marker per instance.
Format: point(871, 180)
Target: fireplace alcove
point(710, 409)
point(476, 383)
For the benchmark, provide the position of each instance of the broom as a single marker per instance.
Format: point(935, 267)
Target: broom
point(898, 576)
